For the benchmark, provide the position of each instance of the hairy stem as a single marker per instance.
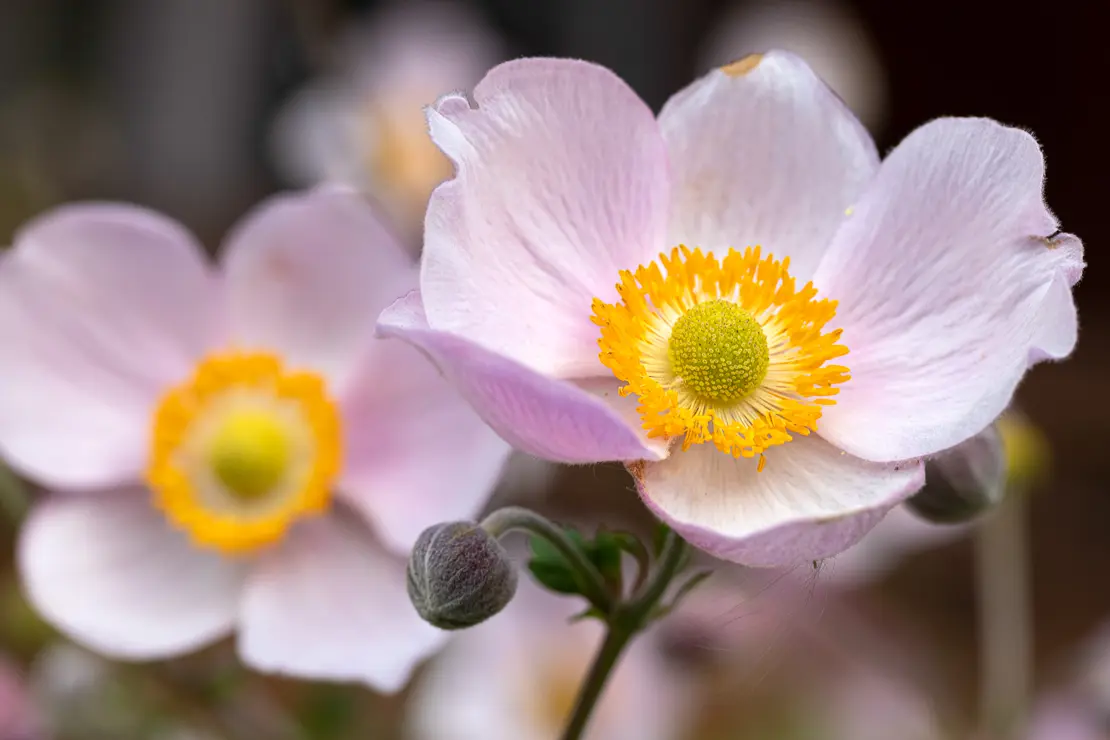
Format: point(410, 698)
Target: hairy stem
point(518, 518)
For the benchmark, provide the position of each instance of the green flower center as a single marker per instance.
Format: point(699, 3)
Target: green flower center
point(719, 351)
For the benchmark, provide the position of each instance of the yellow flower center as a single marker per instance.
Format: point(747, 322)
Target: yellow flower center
point(242, 450)
point(719, 351)
point(250, 453)
point(729, 351)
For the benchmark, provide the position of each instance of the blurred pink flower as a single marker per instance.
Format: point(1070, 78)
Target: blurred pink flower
point(865, 705)
point(362, 123)
point(1064, 717)
point(516, 676)
point(942, 265)
point(1079, 710)
point(19, 718)
point(242, 397)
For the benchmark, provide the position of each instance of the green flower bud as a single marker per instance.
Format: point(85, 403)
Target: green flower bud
point(963, 482)
point(459, 575)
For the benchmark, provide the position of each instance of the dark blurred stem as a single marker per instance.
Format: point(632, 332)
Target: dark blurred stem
point(1005, 619)
point(516, 517)
point(623, 625)
point(14, 500)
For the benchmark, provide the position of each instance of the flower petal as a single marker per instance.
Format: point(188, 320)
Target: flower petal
point(113, 575)
point(562, 182)
point(548, 418)
point(762, 152)
point(811, 500)
point(416, 453)
point(100, 307)
point(307, 274)
point(330, 604)
point(951, 282)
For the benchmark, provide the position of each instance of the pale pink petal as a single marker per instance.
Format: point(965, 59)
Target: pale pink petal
point(101, 306)
point(549, 418)
point(811, 500)
point(562, 182)
point(110, 573)
point(307, 275)
point(950, 284)
point(330, 604)
point(764, 155)
point(415, 452)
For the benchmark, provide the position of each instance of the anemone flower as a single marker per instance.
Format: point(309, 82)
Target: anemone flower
point(787, 326)
point(228, 449)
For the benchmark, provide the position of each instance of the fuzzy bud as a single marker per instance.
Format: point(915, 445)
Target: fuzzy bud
point(459, 575)
point(963, 482)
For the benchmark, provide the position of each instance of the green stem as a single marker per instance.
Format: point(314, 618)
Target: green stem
point(515, 517)
point(622, 626)
point(1005, 618)
point(14, 500)
point(606, 659)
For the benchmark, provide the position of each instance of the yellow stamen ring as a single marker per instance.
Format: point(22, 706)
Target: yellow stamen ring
point(728, 351)
point(243, 449)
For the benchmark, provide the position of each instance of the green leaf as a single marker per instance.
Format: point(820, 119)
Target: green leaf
point(590, 612)
point(550, 568)
point(659, 538)
point(605, 553)
point(554, 576)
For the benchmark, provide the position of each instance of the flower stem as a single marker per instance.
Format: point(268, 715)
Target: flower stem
point(1005, 619)
point(602, 667)
point(622, 626)
point(515, 517)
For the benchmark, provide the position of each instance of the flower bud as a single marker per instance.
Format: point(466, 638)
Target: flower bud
point(459, 575)
point(963, 482)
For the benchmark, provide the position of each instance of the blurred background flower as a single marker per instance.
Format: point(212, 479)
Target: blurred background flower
point(516, 676)
point(362, 120)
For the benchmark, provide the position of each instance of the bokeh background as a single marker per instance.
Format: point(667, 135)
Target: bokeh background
point(201, 107)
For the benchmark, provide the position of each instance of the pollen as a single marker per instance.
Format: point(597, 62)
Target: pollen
point(719, 351)
point(730, 351)
point(243, 449)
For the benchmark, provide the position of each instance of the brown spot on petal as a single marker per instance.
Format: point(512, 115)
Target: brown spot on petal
point(1052, 241)
point(743, 66)
point(636, 468)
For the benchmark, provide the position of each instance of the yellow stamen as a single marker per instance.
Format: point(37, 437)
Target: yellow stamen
point(725, 391)
point(243, 449)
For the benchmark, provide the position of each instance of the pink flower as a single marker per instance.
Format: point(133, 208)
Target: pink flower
point(914, 293)
point(516, 677)
point(231, 449)
point(361, 122)
point(19, 717)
